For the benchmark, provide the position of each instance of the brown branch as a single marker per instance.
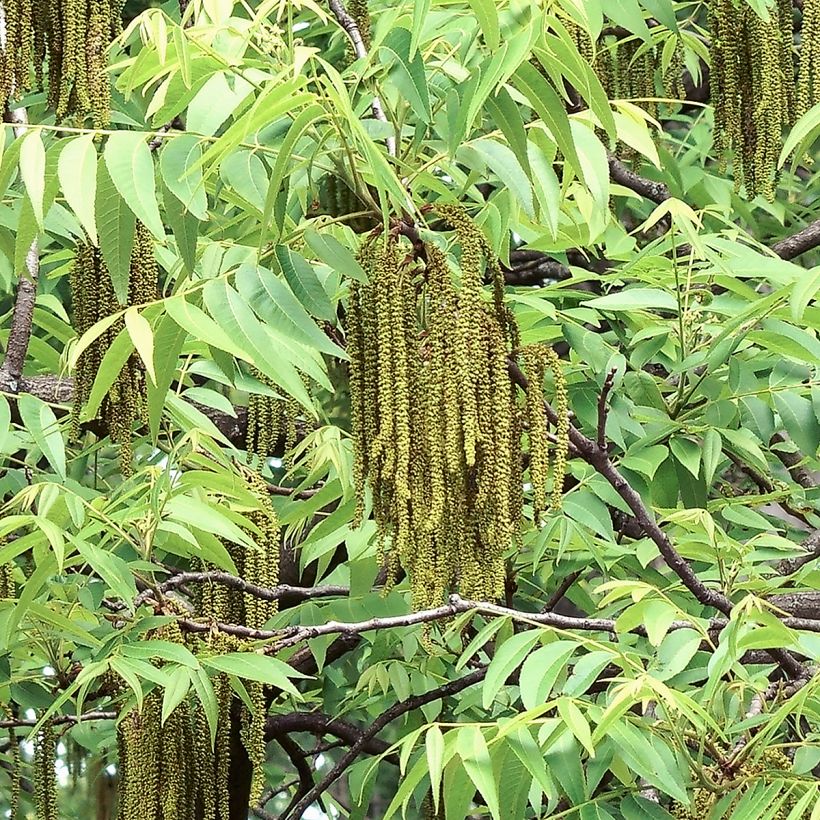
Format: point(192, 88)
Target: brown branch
point(603, 408)
point(788, 566)
point(317, 723)
point(234, 582)
point(351, 28)
point(22, 317)
point(599, 459)
point(800, 242)
point(396, 711)
point(59, 720)
point(655, 191)
point(793, 462)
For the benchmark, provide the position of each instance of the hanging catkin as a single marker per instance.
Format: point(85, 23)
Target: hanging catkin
point(45, 774)
point(437, 421)
point(72, 38)
point(92, 297)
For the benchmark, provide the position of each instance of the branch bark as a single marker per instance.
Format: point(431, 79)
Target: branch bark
point(22, 317)
point(800, 242)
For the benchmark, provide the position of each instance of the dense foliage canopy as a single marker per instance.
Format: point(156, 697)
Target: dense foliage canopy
point(409, 409)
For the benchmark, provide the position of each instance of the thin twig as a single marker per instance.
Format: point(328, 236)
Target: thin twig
point(234, 582)
point(60, 719)
point(350, 28)
point(387, 717)
point(603, 408)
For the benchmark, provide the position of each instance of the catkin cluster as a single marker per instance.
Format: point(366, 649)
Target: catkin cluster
point(71, 38)
point(270, 420)
point(437, 426)
point(93, 299)
point(258, 565)
point(753, 89)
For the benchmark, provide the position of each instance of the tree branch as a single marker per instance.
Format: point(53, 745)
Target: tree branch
point(599, 459)
point(387, 717)
point(351, 28)
point(618, 172)
point(234, 582)
point(800, 242)
point(21, 321)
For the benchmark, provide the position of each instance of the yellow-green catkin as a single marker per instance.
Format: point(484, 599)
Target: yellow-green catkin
point(808, 81)
point(8, 586)
point(773, 765)
point(360, 13)
point(45, 774)
point(70, 36)
point(15, 774)
point(559, 466)
point(436, 426)
point(752, 82)
point(537, 428)
point(93, 299)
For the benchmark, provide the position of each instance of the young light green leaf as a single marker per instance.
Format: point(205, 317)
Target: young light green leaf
point(251, 666)
point(33, 171)
point(115, 224)
point(335, 254)
point(39, 419)
point(139, 329)
point(131, 166)
point(434, 745)
point(77, 171)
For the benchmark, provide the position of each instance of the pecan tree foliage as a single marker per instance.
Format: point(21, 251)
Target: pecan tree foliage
point(409, 409)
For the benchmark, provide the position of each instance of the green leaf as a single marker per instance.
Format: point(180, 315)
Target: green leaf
point(116, 224)
point(179, 682)
point(179, 163)
point(473, 751)
point(39, 420)
point(408, 73)
point(546, 103)
point(541, 670)
point(285, 157)
point(506, 660)
point(275, 303)
point(203, 327)
point(486, 13)
point(185, 228)
point(77, 171)
point(799, 419)
point(261, 668)
point(577, 723)
point(111, 568)
point(712, 452)
point(234, 314)
point(169, 338)
point(33, 171)
point(139, 329)
point(305, 284)
point(434, 746)
point(153, 649)
point(131, 167)
point(112, 363)
point(628, 14)
point(502, 161)
point(335, 255)
point(687, 452)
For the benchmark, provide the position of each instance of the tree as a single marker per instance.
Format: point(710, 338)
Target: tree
point(409, 409)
